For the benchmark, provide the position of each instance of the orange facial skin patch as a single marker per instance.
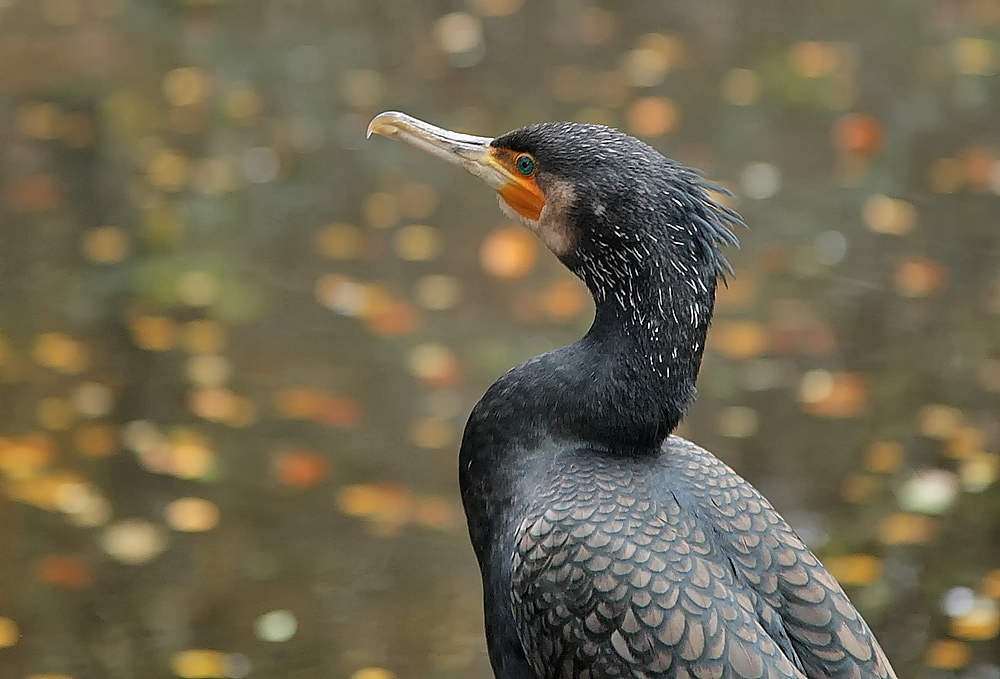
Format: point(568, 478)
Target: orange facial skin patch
point(520, 192)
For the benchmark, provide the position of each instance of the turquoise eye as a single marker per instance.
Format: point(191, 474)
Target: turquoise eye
point(525, 164)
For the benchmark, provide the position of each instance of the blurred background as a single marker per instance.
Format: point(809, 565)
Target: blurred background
point(238, 342)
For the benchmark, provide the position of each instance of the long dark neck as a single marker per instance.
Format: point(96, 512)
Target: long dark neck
point(647, 339)
point(662, 321)
point(622, 388)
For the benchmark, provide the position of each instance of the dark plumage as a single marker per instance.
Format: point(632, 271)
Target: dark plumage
point(605, 165)
point(645, 240)
point(610, 548)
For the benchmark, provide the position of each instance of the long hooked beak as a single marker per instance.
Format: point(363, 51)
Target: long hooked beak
point(491, 164)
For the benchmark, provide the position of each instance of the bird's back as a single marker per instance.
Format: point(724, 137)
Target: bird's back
point(673, 566)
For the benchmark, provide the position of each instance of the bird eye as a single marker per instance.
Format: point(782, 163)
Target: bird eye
point(525, 164)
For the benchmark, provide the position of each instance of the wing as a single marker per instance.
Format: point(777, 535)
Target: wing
point(645, 582)
point(827, 633)
point(611, 585)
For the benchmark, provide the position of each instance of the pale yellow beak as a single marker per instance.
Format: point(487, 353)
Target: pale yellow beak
point(493, 165)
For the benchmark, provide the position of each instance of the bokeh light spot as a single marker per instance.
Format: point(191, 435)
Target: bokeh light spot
point(653, 57)
point(55, 413)
point(883, 214)
point(436, 513)
point(61, 353)
point(830, 247)
point(980, 623)
point(192, 515)
point(105, 244)
point(190, 457)
point(216, 404)
point(919, 277)
point(197, 288)
point(644, 67)
point(385, 503)
point(958, 601)
point(760, 181)
point(214, 176)
point(343, 295)
point(417, 243)
point(460, 35)
point(858, 133)
point(26, 456)
point(739, 340)
point(433, 433)
point(978, 472)
point(563, 300)
point(884, 457)
point(40, 120)
point(975, 56)
point(816, 385)
point(948, 654)
point(168, 170)
point(813, 58)
point(855, 569)
point(857, 488)
point(133, 541)
point(83, 505)
point(380, 210)
point(945, 175)
point(64, 570)
point(93, 399)
point(200, 664)
point(938, 421)
point(438, 292)
point(372, 673)
point(208, 370)
point(242, 103)
point(837, 395)
point(186, 86)
point(204, 336)
point(434, 363)
point(340, 241)
point(905, 528)
point(154, 333)
point(929, 491)
point(508, 252)
point(300, 468)
point(141, 435)
point(307, 403)
point(652, 116)
point(237, 665)
point(9, 632)
point(276, 626)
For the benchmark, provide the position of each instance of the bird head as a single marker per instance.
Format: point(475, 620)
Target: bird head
point(604, 202)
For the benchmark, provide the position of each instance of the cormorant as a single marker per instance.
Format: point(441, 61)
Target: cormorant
point(609, 547)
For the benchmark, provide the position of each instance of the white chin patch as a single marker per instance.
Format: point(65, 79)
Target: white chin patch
point(514, 214)
point(551, 225)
